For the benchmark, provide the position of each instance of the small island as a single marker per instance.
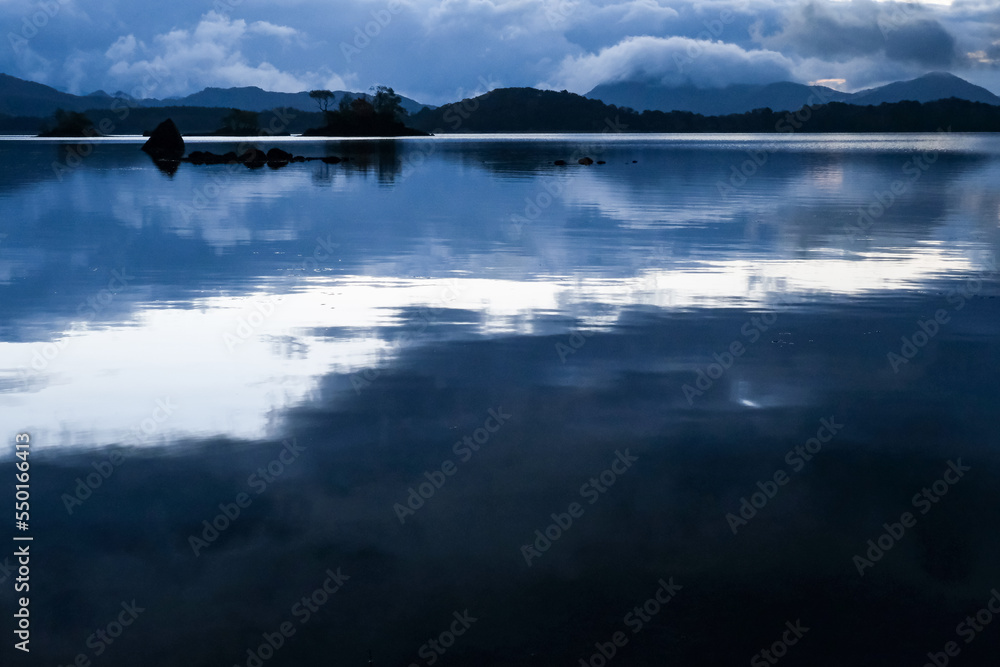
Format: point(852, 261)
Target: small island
point(358, 117)
point(69, 124)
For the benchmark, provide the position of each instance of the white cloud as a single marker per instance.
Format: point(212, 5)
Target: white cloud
point(647, 10)
point(270, 29)
point(75, 69)
point(181, 61)
point(33, 66)
point(673, 61)
point(123, 48)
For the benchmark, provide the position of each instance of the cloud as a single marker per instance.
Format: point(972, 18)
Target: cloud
point(181, 61)
point(838, 31)
point(272, 30)
point(646, 10)
point(922, 41)
point(829, 83)
point(858, 73)
point(31, 65)
point(672, 61)
point(593, 25)
point(436, 50)
point(76, 68)
point(123, 48)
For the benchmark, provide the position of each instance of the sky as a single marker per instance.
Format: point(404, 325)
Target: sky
point(437, 51)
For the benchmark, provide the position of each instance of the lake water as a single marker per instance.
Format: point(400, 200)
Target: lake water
point(711, 369)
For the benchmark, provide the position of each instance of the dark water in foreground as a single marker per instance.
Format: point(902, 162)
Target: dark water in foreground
point(405, 365)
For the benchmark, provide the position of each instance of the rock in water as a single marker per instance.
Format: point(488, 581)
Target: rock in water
point(278, 158)
point(253, 158)
point(165, 143)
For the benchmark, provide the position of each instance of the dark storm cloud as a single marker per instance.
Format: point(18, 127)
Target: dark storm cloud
point(922, 41)
point(829, 32)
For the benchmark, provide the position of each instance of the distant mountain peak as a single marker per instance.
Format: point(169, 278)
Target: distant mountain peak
point(783, 95)
point(927, 88)
point(247, 89)
point(941, 75)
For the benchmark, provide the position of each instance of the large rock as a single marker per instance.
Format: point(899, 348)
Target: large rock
point(254, 158)
point(278, 158)
point(165, 143)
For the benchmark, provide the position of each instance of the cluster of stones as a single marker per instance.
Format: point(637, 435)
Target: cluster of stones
point(254, 158)
point(586, 161)
point(165, 145)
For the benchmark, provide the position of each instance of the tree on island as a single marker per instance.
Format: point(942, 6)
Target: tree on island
point(69, 124)
point(379, 116)
point(387, 104)
point(362, 109)
point(323, 99)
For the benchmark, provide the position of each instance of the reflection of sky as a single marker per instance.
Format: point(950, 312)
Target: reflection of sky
point(654, 234)
point(661, 276)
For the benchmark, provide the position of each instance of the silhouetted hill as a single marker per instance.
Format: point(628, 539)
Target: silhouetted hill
point(782, 96)
point(927, 88)
point(29, 125)
point(190, 120)
point(737, 98)
point(530, 110)
point(252, 98)
point(517, 110)
point(27, 98)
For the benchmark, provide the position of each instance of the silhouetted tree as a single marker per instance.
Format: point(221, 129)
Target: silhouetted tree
point(387, 103)
point(374, 115)
point(70, 124)
point(323, 99)
point(362, 108)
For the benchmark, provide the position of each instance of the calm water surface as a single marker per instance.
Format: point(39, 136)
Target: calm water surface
point(811, 319)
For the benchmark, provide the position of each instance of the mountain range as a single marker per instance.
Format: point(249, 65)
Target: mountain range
point(25, 107)
point(27, 98)
point(252, 98)
point(782, 96)
point(514, 110)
